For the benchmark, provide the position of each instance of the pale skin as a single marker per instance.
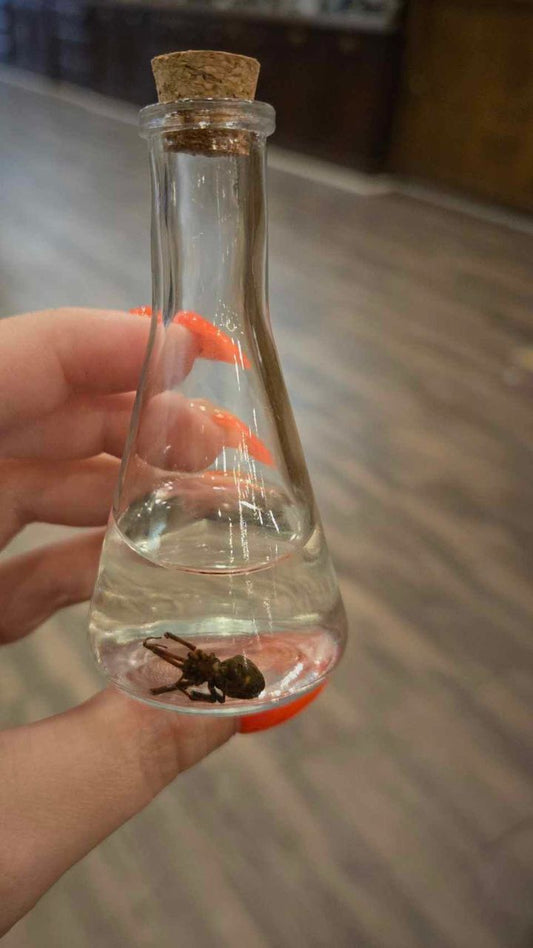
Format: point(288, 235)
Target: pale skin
point(66, 383)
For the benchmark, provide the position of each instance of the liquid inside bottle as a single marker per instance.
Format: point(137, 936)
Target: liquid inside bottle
point(214, 538)
point(282, 612)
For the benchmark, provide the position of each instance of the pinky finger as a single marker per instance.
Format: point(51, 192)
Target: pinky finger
point(35, 585)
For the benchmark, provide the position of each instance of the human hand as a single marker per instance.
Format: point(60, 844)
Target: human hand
point(66, 384)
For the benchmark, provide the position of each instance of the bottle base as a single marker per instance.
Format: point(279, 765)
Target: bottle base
point(137, 671)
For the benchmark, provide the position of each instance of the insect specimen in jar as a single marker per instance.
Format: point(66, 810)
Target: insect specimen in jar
point(236, 677)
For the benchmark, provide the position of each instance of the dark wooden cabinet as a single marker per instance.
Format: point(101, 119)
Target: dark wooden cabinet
point(7, 39)
point(122, 52)
point(332, 86)
point(74, 40)
point(466, 109)
point(33, 39)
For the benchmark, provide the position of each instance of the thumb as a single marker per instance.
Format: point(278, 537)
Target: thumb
point(72, 779)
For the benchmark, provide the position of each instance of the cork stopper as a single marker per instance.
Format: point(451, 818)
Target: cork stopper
point(204, 74)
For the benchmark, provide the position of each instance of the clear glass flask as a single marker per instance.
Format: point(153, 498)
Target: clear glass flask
point(214, 536)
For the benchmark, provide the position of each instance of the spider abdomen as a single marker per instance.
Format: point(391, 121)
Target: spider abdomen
point(238, 677)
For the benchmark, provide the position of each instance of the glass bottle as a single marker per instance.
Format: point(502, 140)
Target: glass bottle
point(214, 536)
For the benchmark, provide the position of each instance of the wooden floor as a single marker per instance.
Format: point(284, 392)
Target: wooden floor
point(397, 812)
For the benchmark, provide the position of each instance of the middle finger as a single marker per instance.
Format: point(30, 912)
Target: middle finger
point(83, 427)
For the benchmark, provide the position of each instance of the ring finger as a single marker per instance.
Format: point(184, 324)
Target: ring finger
point(35, 585)
point(74, 493)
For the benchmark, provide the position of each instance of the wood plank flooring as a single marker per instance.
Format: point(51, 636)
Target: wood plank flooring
point(398, 811)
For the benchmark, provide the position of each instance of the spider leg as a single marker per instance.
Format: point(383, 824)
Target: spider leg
point(180, 685)
point(212, 698)
point(199, 696)
point(215, 694)
point(176, 638)
point(164, 688)
point(162, 652)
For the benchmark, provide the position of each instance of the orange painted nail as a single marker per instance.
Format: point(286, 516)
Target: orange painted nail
point(264, 720)
point(214, 344)
point(146, 311)
point(234, 426)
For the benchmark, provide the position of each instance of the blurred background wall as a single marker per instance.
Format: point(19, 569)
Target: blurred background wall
point(437, 89)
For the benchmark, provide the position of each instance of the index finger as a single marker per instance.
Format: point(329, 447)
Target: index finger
point(48, 356)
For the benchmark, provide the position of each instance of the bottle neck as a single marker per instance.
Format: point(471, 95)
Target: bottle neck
point(209, 256)
point(209, 228)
